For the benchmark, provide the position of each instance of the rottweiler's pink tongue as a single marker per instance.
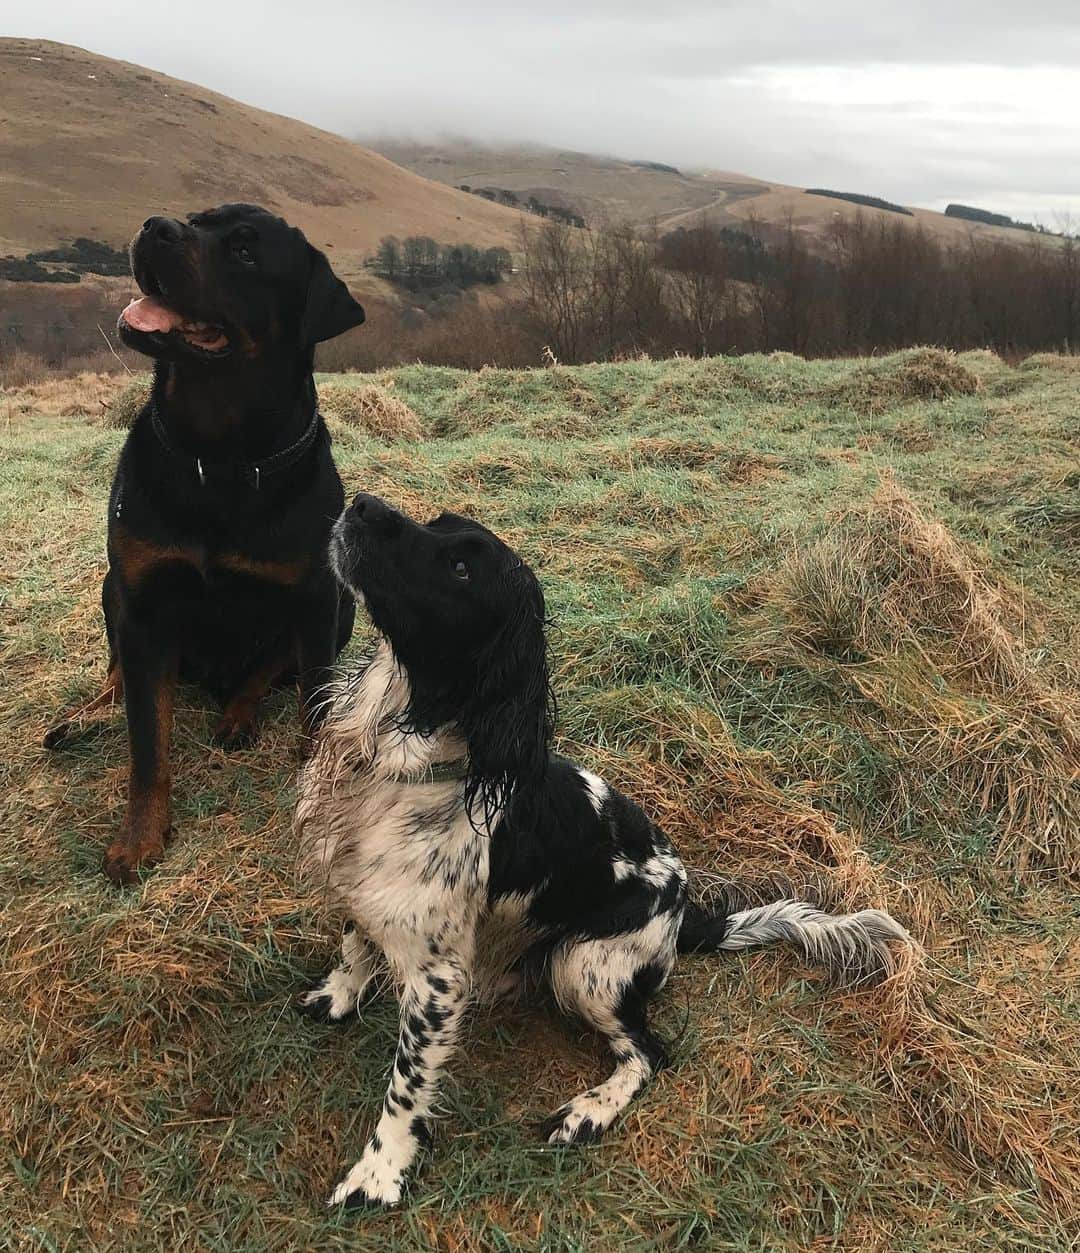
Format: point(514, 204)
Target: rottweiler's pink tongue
point(148, 314)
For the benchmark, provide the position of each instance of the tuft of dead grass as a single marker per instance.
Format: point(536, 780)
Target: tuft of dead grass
point(995, 1109)
point(553, 403)
point(741, 467)
point(126, 404)
point(916, 374)
point(372, 408)
point(889, 606)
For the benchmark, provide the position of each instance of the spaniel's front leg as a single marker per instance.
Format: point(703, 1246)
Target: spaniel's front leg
point(433, 1003)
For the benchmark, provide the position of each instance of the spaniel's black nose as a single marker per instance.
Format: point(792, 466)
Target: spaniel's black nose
point(371, 511)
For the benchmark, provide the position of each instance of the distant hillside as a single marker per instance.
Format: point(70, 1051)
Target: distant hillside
point(90, 146)
point(971, 214)
point(592, 185)
point(645, 192)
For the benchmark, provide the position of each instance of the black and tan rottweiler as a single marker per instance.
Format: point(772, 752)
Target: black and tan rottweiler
point(224, 495)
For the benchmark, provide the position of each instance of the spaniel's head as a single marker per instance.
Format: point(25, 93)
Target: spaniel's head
point(464, 615)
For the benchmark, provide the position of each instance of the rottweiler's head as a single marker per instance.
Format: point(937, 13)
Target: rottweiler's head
point(231, 281)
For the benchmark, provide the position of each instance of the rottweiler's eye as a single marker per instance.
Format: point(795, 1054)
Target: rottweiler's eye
point(459, 568)
point(243, 253)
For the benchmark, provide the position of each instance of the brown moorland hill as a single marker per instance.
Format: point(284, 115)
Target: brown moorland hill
point(647, 192)
point(90, 146)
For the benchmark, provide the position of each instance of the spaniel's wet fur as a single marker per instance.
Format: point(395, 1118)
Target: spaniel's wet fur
point(466, 856)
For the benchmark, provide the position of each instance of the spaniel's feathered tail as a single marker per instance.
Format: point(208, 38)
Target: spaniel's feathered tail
point(853, 948)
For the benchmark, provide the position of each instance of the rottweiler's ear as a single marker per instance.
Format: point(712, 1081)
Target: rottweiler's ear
point(330, 308)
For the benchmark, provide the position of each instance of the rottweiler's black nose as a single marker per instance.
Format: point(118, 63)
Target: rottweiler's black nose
point(164, 230)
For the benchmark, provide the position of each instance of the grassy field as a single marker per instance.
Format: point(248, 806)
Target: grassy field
point(822, 618)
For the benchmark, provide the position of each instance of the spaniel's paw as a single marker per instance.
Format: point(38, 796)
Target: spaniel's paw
point(334, 999)
point(371, 1184)
point(572, 1124)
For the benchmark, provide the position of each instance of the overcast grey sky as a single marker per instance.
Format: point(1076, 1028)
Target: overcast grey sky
point(922, 102)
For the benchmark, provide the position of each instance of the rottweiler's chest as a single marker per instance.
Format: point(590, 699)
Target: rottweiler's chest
point(221, 609)
point(144, 564)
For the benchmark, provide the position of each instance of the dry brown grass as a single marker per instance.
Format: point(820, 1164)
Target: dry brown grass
point(741, 466)
point(1001, 1111)
point(1058, 362)
point(116, 400)
point(18, 367)
point(21, 367)
point(86, 394)
point(892, 607)
point(917, 374)
point(696, 387)
point(370, 407)
point(1061, 518)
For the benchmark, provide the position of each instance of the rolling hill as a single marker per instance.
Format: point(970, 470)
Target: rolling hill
point(91, 146)
point(643, 192)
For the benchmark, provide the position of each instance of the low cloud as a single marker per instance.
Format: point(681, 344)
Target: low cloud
point(923, 103)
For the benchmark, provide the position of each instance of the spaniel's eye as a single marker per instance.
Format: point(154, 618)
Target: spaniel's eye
point(243, 253)
point(459, 568)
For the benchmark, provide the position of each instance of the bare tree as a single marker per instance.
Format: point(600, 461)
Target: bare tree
point(557, 285)
point(697, 261)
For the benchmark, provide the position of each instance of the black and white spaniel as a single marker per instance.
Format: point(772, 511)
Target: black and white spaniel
point(466, 856)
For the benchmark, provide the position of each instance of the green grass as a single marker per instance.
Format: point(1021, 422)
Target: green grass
point(748, 641)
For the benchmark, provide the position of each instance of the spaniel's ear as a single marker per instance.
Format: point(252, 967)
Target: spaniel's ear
point(508, 718)
point(330, 307)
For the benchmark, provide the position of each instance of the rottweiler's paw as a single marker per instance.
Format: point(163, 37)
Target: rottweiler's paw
point(57, 736)
point(122, 866)
point(370, 1185)
point(124, 862)
point(232, 735)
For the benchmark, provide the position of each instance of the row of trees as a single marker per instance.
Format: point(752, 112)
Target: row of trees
point(532, 204)
point(865, 286)
point(81, 256)
point(870, 285)
point(419, 262)
point(971, 214)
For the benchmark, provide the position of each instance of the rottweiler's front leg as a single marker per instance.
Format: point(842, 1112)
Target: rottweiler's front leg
point(316, 644)
point(148, 661)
